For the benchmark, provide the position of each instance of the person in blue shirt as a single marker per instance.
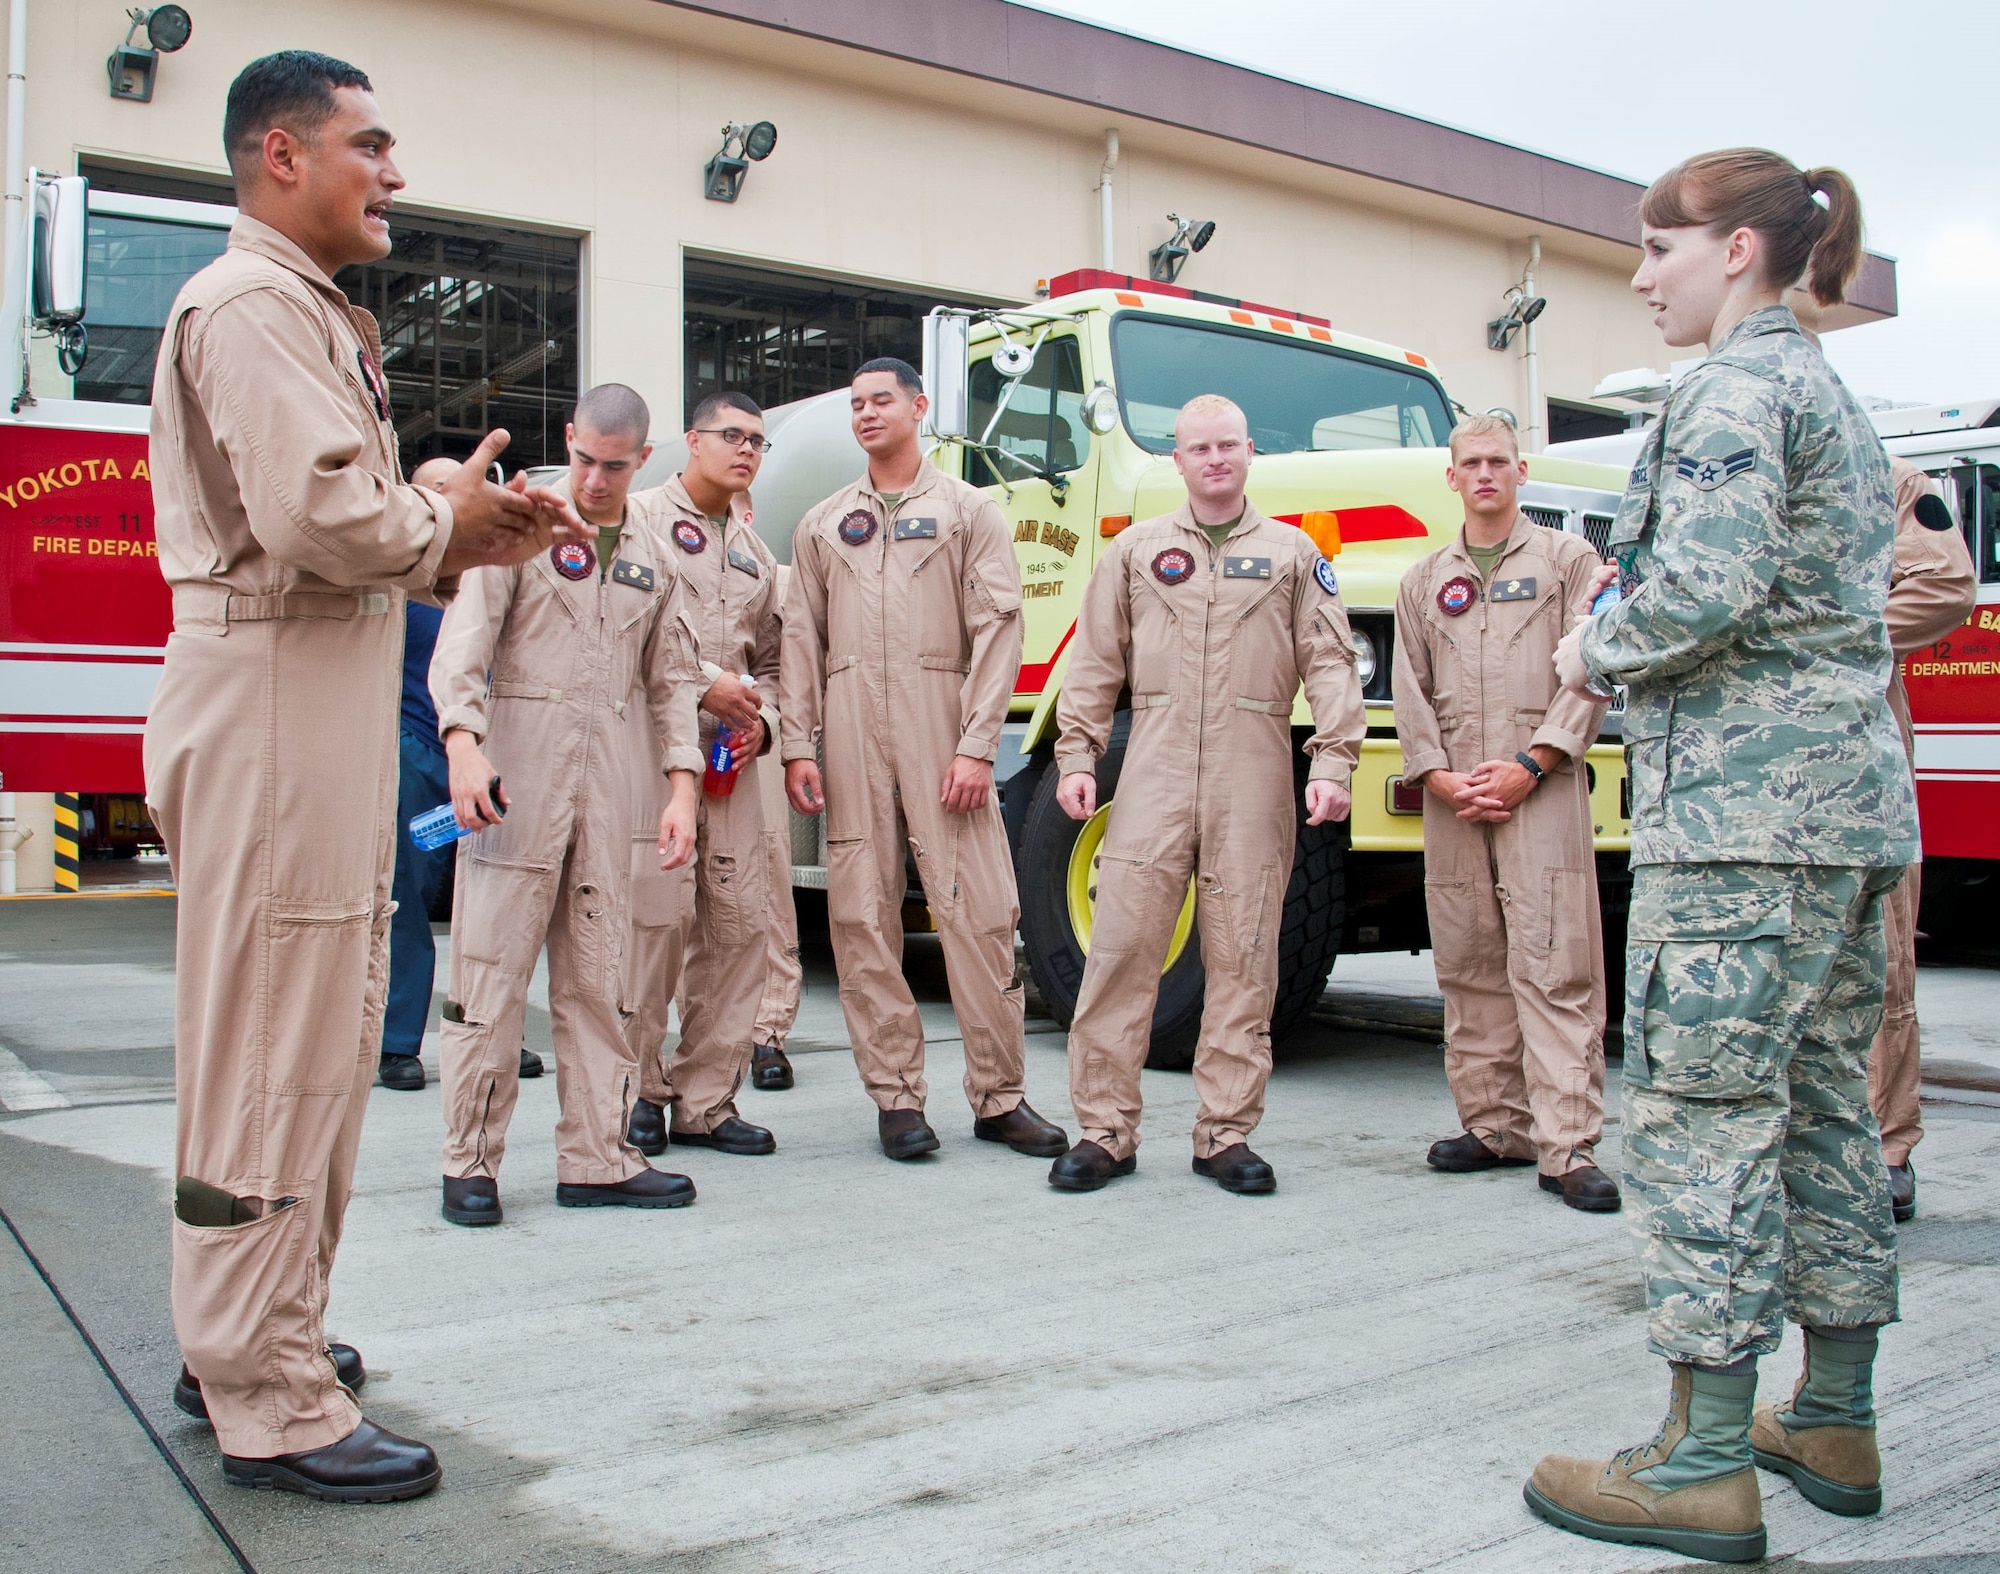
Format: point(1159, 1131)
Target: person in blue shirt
point(424, 784)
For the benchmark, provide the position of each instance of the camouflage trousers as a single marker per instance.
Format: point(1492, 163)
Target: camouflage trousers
point(1752, 1159)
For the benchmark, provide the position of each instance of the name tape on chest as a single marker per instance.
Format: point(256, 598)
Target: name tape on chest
point(1246, 568)
point(916, 530)
point(745, 562)
point(637, 575)
point(1708, 474)
point(572, 559)
point(858, 528)
point(1513, 590)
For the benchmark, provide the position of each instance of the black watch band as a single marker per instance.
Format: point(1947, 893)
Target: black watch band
point(1534, 766)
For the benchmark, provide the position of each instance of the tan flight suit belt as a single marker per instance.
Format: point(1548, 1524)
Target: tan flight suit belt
point(197, 604)
point(710, 950)
point(282, 940)
point(1236, 842)
point(1517, 939)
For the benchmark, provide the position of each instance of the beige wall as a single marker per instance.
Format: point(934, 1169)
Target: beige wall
point(596, 116)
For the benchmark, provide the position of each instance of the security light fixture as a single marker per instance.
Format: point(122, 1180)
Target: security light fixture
point(1164, 261)
point(132, 67)
point(1522, 309)
point(723, 178)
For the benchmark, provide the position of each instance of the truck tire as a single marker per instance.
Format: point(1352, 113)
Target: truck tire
point(1315, 919)
point(1310, 935)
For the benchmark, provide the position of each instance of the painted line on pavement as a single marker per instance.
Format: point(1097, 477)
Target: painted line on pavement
point(22, 1089)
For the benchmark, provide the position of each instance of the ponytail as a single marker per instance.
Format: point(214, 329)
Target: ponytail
point(1754, 189)
point(1836, 256)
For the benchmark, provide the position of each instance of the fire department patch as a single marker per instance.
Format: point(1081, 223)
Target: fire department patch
point(858, 528)
point(689, 536)
point(1323, 572)
point(572, 559)
point(1456, 594)
point(1173, 566)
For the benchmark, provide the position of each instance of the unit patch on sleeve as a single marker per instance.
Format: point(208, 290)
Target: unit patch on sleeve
point(1246, 568)
point(1708, 474)
point(1456, 594)
point(637, 575)
point(572, 559)
point(857, 528)
point(689, 536)
point(1323, 572)
point(746, 562)
point(1173, 566)
point(916, 530)
point(1513, 590)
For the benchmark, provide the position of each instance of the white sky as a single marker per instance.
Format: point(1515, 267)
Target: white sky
point(1905, 97)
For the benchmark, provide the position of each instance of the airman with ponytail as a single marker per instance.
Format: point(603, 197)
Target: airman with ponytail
point(1772, 809)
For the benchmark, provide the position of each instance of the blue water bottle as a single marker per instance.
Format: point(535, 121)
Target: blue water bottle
point(439, 827)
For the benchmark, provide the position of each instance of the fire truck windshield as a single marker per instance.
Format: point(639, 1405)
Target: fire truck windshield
point(1299, 396)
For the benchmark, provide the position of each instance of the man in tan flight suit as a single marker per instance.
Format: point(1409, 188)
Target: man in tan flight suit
point(1510, 874)
point(1211, 616)
point(784, 977)
point(536, 670)
point(699, 931)
point(1932, 589)
point(902, 641)
point(289, 541)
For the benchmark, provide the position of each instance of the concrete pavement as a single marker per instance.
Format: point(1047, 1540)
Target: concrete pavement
point(835, 1362)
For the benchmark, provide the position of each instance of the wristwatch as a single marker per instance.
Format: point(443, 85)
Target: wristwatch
point(1533, 765)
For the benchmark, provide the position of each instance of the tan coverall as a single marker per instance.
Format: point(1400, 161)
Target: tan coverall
point(288, 541)
point(1932, 589)
point(784, 976)
point(1513, 907)
point(708, 914)
point(569, 659)
point(901, 646)
point(1213, 646)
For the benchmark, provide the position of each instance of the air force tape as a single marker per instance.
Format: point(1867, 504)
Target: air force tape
point(1323, 572)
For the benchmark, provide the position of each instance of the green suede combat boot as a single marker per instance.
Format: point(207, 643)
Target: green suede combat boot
point(1825, 1438)
point(1690, 1490)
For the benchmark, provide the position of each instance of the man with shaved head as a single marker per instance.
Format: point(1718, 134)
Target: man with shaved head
point(1210, 616)
point(535, 672)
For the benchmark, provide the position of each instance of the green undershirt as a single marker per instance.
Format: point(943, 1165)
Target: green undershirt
point(607, 545)
point(1218, 534)
point(1485, 559)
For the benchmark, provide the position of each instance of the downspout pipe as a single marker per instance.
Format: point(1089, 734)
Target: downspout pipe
point(1536, 423)
point(1106, 216)
point(14, 301)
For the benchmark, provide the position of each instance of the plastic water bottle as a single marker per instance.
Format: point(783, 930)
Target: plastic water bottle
point(1607, 598)
point(719, 780)
point(439, 827)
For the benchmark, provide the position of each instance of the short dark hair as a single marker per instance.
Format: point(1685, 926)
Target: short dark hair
point(293, 88)
point(727, 399)
point(612, 408)
point(907, 376)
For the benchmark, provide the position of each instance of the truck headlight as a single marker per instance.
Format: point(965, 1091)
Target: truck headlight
point(1365, 658)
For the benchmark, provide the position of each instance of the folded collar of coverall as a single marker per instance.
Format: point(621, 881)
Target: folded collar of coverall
point(1520, 536)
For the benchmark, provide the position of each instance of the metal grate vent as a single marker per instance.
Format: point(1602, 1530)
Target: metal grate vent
point(1597, 529)
point(1552, 518)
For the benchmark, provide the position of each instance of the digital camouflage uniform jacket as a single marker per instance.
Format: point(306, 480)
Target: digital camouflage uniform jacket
point(1754, 543)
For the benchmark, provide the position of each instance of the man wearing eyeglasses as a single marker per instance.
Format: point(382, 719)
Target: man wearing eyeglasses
point(699, 930)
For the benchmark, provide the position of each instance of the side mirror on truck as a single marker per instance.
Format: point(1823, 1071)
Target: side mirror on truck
point(947, 375)
point(62, 222)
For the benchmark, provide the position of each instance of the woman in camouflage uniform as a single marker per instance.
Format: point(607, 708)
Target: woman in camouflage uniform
point(1772, 808)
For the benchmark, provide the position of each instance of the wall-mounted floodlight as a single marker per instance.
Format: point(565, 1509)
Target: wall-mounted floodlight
point(722, 180)
point(131, 67)
point(1522, 309)
point(1164, 261)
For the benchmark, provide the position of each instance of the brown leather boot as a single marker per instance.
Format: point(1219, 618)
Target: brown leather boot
point(1677, 1491)
point(1024, 1131)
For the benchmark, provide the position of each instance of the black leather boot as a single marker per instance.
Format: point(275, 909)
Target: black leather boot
point(646, 1128)
point(472, 1199)
point(1024, 1131)
point(1088, 1167)
point(769, 1069)
point(650, 1188)
point(369, 1465)
point(905, 1133)
point(734, 1135)
point(1237, 1169)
